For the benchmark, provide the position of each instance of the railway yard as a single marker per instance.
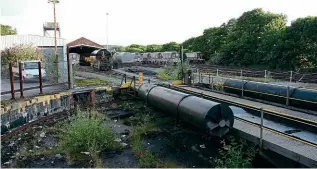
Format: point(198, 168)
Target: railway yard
point(202, 123)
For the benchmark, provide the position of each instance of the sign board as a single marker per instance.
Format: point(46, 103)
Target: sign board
point(140, 78)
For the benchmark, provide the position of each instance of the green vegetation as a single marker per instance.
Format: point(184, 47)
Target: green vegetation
point(89, 82)
point(86, 133)
point(7, 30)
point(260, 38)
point(238, 154)
point(172, 72)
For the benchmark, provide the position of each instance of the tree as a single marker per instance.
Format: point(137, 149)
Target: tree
point(171, 46)
point(300, 46)
point(7, 30)
point(153, 48)
point(119, 48)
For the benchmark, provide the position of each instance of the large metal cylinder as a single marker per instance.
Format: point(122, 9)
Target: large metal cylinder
point(214, 117)
point(165, 99)
point(144, 89)
point(304, 98)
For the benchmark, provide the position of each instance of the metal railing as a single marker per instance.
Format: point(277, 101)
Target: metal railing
point(260, 75)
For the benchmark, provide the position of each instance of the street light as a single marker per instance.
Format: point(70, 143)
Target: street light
point(107, 29)
point(54, 2)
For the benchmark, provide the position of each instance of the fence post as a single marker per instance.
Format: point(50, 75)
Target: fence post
point(241, 73)
point(217, 72)
point(265, 75)
point(21, 80)
point(291, 76)
point(209, 78)
point(287, 96)
point(242, 87)
point(261, 130)
point(212, 83)
point(11, 81)
point(198, 77)
point(69, 65)
point(40, 77)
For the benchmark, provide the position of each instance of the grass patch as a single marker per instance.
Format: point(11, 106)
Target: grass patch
point(89, 82)
point(173, 72)
point(237, 154)
point(86, 133)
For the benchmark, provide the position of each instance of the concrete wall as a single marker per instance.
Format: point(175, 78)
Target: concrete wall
point(19, 113)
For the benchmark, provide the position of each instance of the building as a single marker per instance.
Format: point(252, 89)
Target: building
point(46, 45)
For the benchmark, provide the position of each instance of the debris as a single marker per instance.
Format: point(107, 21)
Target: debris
point(8, 162)
point(123, 136)
point(87, 153)
point(148, 143)
point(115, 120)
point(19, 138)
point(202, 146)
point(118, 140)
point(25, 134)
point(59, 156)
point(52, 162)
point(30, 150)
point(42, 158)
point(124, 144)
point(12, 156)
point(37, 147)
point(42, 134)
point(11, 144)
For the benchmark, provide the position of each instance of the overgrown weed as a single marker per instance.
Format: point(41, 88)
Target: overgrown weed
point(237, 154)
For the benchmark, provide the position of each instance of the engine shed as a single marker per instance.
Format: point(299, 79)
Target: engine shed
point(84, 47)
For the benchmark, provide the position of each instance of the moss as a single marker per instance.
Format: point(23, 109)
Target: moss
point(89, 82)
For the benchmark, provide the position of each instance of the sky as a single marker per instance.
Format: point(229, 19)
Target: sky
point(139, 21)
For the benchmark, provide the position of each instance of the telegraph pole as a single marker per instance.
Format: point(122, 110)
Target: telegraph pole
point(107, 29)
point(55, 2)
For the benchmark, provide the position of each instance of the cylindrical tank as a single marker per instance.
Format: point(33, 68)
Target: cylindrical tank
point(144, 89)
point(258, 90)
point(304, 98)
point(165, 99)
point(214, 117)
point(233, 86)
point(272, 93)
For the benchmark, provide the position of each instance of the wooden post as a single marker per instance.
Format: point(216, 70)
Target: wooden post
point(40, 76)
point(11, 81)
point(21, 80)
point(140, 78)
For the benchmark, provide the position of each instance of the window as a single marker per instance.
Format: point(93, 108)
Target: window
point(30, 65)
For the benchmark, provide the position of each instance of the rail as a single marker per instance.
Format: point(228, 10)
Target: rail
point(261, 75)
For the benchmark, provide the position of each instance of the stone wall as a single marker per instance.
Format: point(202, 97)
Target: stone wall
point(19, 113)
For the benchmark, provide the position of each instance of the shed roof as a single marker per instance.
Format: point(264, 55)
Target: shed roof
point(84, 42)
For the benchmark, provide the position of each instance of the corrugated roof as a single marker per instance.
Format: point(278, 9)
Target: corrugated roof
point(85, 42)
point(34, 40)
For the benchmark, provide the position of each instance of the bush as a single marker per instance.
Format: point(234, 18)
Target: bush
point(237, 155)
point(87, 134)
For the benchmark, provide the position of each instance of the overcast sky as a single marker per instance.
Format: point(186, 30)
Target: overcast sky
point(139, 21)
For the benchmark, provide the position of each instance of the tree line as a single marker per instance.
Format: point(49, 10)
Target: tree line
point(256, 38)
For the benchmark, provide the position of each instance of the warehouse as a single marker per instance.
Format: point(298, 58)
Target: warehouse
point(46, 45)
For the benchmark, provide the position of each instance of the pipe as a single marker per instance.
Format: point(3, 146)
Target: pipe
point(40, 77)
point(211, 116)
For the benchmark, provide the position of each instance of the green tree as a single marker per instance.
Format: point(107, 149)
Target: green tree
point(171, 46)
point(301, 44)
point(119, 48)
point(153, 48)
point(7, 30)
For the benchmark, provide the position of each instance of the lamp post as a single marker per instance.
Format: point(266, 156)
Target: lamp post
point(55, 2)
point(107, 29)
